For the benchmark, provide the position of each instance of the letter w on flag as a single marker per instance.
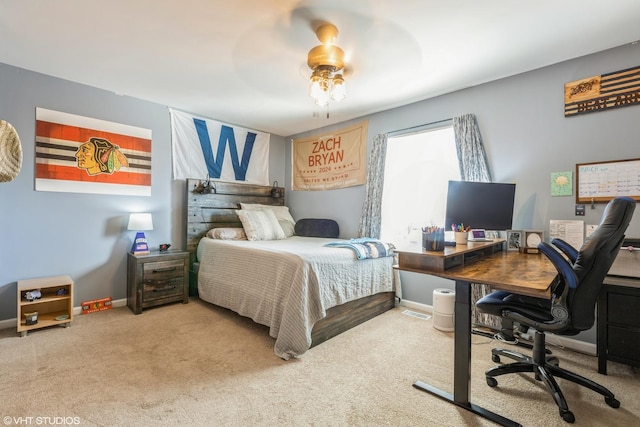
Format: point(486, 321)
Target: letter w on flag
point(224, 152)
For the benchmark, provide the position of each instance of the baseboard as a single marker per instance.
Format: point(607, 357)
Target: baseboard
point(572, 344)
point(11, 323)
point(8, 323)
point(554, 340)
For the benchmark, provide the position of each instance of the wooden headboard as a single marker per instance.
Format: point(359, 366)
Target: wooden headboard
point(217, 209)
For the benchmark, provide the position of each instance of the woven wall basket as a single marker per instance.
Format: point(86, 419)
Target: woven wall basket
point(10, 152)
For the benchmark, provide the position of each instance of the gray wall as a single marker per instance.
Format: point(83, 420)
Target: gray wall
point(84, 235)
point(526, 137)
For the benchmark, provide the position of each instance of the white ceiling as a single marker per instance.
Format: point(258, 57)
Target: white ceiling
point(243, 62)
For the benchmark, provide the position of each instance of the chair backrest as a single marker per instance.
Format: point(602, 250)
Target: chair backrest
point(595, 258)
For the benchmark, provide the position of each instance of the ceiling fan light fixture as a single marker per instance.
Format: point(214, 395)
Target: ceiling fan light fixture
point(327, 33)
point(327, 63)
point(339, 91)
point(317, 85)
point(322, 100)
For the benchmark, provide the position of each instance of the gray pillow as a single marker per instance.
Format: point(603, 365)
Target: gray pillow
point(317, 227)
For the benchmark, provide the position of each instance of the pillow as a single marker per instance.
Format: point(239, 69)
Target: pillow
point(287, 228)
point(227, 234)
point(260, 225)
point(282, 213)
point(317, 227)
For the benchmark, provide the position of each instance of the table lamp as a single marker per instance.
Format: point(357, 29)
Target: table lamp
point(140, 222)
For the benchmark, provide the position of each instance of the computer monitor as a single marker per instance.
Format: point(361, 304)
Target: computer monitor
point(481, 205)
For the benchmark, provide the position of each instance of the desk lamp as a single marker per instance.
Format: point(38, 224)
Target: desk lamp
point(140, 222)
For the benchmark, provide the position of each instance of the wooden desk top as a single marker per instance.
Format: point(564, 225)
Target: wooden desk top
point(484, 262)
point(526, 274)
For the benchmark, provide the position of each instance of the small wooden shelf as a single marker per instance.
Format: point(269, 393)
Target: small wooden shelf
point(49, 306)
point(419, 260)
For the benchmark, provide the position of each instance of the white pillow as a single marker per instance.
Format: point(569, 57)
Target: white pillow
point(260, 225)
point(288, 228)
point(229, 233)
point(282, 213)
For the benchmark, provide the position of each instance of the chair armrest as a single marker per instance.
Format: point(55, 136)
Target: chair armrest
point(567, 249)
point(561, 264)
point(566, 280)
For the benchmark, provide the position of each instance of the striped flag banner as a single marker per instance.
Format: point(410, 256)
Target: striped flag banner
point(604, 92)
point(204, 147)
point(79, 154)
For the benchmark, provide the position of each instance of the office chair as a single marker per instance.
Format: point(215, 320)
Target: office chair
point(571, 307)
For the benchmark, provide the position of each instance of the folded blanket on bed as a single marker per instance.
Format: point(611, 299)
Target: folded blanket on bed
point(366, 247)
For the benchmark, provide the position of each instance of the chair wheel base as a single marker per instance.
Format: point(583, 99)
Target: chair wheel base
point(492, 382)
point(495, 358)
point(613, 402)
point(568, 416)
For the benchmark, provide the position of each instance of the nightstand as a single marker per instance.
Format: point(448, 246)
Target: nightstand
point(156, 279)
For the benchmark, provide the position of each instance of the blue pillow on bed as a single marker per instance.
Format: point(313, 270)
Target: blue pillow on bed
point(317, 227)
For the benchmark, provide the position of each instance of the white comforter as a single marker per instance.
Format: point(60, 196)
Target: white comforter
point(288, 284)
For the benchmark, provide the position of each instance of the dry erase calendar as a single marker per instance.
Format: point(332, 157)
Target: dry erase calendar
point(603, 181)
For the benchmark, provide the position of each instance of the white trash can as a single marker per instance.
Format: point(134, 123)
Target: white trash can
point(443, 309)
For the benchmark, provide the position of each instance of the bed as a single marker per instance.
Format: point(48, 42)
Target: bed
point(304, 291)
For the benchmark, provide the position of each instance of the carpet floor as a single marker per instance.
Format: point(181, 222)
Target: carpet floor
point(199, 365)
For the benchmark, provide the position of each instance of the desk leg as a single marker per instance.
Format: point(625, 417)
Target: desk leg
point(462, 361)
point(462, 344)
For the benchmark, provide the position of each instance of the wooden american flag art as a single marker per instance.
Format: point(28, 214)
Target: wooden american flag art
point(604, 92)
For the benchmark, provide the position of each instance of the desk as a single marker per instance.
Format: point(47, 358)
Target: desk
point(510, 271)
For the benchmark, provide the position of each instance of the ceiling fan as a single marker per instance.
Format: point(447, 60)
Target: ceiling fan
point(327, 64)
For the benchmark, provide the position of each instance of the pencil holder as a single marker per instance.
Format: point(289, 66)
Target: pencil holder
point(433, 241)
point(461, 237)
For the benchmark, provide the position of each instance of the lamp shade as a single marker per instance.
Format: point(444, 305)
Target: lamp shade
point(140, 222)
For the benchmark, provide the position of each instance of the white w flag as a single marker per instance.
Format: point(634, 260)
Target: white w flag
point(204, 147)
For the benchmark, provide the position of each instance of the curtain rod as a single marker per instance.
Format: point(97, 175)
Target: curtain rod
point(418, 127)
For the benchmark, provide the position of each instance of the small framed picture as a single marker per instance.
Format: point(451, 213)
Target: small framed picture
point(514, 240)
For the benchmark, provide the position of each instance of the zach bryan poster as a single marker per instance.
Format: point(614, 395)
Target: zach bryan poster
point(332, 160)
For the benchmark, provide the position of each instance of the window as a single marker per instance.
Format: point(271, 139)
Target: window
point(418, 167)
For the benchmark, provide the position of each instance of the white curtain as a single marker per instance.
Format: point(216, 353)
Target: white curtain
point(472, 157)
point(370, 217)
point(474, 166)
